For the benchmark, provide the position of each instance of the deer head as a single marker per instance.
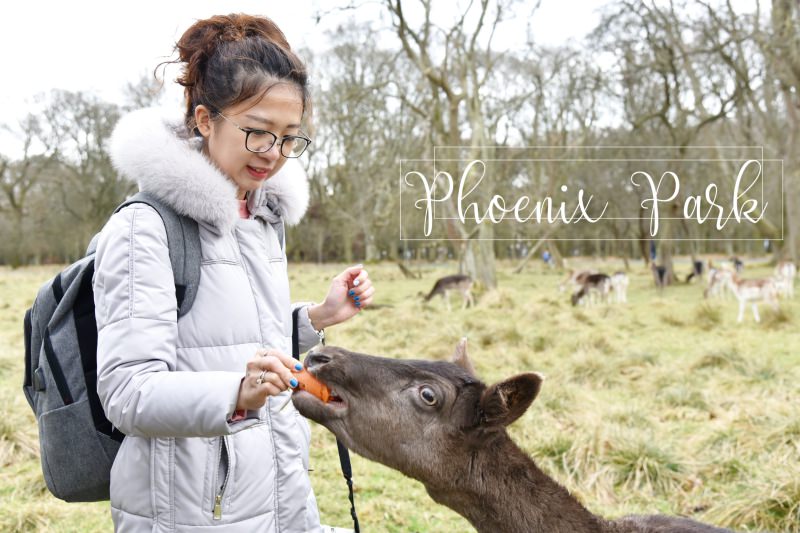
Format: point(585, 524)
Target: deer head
point(418, 417)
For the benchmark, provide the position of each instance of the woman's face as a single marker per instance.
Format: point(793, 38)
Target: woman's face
point(279, 111)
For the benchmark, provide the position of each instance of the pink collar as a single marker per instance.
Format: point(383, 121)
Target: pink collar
point(243, 211)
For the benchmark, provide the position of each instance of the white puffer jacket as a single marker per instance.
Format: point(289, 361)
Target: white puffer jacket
point(171, 385)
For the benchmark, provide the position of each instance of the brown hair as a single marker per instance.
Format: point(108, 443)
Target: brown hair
point(231, 58)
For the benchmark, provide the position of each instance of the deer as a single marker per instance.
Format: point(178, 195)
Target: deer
point(455, 282)
point(717, 282)
point(595, 287)
point(753, 291)
point(575, 279)
point(619, 283)
point(438, 423)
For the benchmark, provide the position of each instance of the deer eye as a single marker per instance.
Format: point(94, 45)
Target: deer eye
point(427, 395)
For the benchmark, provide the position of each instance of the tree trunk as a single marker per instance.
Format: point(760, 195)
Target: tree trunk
point(347, 247)
point(371, 252)
point(484, 267)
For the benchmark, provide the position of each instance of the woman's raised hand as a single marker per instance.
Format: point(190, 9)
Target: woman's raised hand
point(350, 292)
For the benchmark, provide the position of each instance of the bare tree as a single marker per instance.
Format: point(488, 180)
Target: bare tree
point(17, 180)
point(659, 80)
point(362, 133)
point(145, 92)
point(80, 125)
point(456, 63)
point(684, 73)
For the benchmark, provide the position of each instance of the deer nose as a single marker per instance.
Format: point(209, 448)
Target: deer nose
point(316, 359)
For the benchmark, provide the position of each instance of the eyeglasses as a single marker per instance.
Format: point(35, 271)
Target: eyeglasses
point(260, 141)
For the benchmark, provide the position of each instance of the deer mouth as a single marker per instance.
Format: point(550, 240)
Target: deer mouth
point(317, 410)
point(312, 406)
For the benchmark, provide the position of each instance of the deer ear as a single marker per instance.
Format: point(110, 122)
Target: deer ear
point(504, 402)
point(461, 359)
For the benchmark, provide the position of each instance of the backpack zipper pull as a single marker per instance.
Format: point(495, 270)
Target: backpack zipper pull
point(218, 507)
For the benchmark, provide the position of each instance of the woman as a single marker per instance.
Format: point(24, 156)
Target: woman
point(210, 440)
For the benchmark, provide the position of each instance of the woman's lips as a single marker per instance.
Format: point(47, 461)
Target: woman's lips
point(258, 173)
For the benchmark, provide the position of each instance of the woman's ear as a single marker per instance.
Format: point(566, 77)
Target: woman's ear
point(202, 118)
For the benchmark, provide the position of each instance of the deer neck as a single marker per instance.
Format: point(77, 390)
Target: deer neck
point(497, 487)
point(735, 285)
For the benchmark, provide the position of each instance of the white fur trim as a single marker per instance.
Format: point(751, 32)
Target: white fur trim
point(290, 185)
point(150, 146)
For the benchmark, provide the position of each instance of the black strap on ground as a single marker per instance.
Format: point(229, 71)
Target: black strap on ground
point(344, 453)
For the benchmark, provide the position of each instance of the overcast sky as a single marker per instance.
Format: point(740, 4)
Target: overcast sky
point(100, 46)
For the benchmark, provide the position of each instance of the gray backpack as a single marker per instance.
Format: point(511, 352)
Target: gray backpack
point(77, 442)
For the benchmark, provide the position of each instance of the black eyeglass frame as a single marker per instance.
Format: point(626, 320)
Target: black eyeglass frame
point(248, 131)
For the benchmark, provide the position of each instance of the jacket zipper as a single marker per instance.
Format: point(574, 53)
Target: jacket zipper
point(223, 456)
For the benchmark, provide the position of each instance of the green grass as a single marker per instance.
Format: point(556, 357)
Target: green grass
point(662, 405)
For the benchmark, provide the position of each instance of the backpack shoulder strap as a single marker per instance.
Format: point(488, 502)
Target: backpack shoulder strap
point(183, 238)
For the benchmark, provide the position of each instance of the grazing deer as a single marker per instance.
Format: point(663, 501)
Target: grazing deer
point(620, 282)
point(753, 291)
point(455, 282)
point(595, 287)
point(436, 422)
point(574, 280)
point(785, 272)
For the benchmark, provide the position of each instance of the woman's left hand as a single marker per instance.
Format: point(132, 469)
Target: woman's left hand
point(350, 292)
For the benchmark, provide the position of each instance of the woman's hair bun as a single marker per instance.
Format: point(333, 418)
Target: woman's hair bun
point(204, 36)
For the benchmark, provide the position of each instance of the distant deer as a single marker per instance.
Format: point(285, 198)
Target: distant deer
point(436, 422)
point(595, 288)
point(753, 291)
point(717, 282)
point(620, 282)
point(455, 282)
point(785, 272)
point(574, 279)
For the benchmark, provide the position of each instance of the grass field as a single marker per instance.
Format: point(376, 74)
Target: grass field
point(662, 405)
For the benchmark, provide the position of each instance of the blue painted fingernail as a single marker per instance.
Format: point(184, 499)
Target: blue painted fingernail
point(298, 366)
point(352, 293)
point(358, 304)
point(293, 382)
point(357, 298)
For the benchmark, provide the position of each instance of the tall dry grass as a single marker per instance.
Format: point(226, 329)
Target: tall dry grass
point(665, 404)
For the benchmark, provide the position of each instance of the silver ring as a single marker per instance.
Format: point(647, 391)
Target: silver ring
point(260, 379)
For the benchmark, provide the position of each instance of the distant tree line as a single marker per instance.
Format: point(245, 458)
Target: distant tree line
point(682, 74)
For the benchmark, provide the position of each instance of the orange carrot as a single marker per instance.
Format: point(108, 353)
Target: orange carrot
point(312, 385)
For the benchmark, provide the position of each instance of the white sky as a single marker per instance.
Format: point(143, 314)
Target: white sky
point(100, 46)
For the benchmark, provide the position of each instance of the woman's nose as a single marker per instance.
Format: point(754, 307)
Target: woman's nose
point(273, 154)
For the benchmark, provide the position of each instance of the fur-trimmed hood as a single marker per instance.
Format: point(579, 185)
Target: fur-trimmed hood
point(152, 147)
